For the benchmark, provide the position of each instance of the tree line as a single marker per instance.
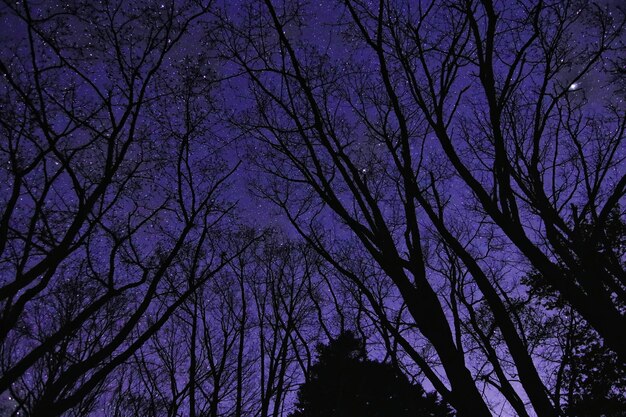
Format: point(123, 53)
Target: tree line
point(451, 173)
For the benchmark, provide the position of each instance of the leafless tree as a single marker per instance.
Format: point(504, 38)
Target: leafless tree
point(110, 212)
point(465, 122)
point(238, 346)
point(285, 321)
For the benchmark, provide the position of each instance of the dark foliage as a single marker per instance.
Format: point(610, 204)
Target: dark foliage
point(594, 379)
point(346, 383)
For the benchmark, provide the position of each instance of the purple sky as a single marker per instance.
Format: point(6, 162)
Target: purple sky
point(225, 145)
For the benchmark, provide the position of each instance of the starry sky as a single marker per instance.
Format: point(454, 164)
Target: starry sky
point(594, 90)
point(229, 86)
point(200, 85)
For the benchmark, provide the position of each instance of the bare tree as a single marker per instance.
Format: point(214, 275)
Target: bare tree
point(238, 346)
point(285, 321)
point(463, 122)
point(106, 201)
point(449, 162)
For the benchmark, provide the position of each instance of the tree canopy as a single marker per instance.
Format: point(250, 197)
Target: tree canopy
point(345, 383)
point(194, 193)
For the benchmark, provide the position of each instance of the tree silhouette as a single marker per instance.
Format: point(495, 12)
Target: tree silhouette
point(591, 378)
point(596, 380)
point(427, 126)
point(344, 382)
point(453, 171)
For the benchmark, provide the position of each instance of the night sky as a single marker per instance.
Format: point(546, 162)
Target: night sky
point(194, 196)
